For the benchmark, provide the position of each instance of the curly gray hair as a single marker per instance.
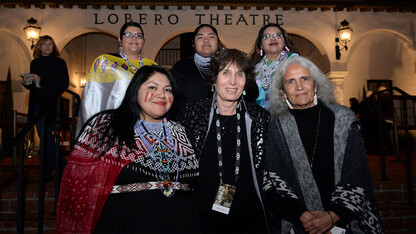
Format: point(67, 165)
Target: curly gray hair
point(278, 104)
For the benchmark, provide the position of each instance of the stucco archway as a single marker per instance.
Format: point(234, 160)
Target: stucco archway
point(16, 55)
point(80, 52)
point(380, 55)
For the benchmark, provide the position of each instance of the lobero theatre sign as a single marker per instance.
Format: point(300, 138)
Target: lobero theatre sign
point(200, 18)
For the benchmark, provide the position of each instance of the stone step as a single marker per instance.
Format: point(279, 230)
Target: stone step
point(8, 215)
point(8, 202)
point(8, 223)
point(398, 217)
point(386, 192)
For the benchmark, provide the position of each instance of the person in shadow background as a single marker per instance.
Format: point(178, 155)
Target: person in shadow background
point(48, 78)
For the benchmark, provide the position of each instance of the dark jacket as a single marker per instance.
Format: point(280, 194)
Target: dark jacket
point(197, 118)
point(54, 80)
point(190, 82)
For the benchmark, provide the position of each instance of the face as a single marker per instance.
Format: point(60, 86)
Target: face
point(272, 46)
point(230, 84)
point(155, 97)
point(46, 48)
point(206, 42)
point(299, 87)
point(132, 45)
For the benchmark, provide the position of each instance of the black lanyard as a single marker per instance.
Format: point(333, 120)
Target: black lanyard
point(219, 143)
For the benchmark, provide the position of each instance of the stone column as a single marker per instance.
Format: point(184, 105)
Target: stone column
point(337, 80)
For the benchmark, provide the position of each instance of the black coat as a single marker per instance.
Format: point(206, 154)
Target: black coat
point(196, 118)
point(190, 82)
point(54, 80)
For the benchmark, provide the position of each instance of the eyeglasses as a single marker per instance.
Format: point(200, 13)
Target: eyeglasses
point(136, 35)
point(269, 36)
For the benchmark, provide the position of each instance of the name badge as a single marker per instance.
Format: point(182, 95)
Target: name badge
point(224, 198)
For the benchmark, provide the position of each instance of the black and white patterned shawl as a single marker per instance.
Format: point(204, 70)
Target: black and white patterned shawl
point(288, 173)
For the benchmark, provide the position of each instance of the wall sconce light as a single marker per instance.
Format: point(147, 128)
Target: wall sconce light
point(82, 80)
point(32, 30)
point(345, 34)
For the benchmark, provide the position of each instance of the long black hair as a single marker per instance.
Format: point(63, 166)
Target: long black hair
point(122, 120)
point(197, 29)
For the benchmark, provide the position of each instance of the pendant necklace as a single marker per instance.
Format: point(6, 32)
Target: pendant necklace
point(266, 73)
point(128, 62)
point(316, 139)
point(162, 154)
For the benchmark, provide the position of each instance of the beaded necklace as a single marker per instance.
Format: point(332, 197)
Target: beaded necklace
point(267, 71)
point(128, 62)
point(219, 143)
point(162, 153)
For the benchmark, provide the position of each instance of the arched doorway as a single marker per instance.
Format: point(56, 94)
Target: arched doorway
point(177, 48)
point(380, 56)
point(80, 53)
point(307, 49)
point(181, 47)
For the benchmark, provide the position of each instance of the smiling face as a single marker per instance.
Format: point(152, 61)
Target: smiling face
point(206, 42)
point(299, 86)
point(133, 46)
point(272, 46)
point(155, 97)
point(230, 84)
point(46, 48)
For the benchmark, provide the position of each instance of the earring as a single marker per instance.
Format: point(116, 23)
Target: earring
point(244, 93)
point(212, 88)
point(120, 48)
point(289, 104)
point(287, 49)
point(315, 99)
point(261, 52)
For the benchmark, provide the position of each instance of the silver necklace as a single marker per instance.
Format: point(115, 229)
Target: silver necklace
point(267, 72)
point(316, 139)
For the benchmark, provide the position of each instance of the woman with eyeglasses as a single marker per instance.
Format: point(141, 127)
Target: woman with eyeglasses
point(110, 74)
point(270, 49)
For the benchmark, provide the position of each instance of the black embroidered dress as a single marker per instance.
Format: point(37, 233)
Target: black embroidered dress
point(155, 211)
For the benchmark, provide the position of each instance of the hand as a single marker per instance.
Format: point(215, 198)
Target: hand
point(36, 78)
point(321, 222)
point(306, 216)
point(27, 80)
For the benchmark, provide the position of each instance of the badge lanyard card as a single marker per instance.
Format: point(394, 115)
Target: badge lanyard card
point(225, 193)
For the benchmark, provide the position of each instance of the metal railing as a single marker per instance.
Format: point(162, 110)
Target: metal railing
point(19, 140)
point(168, 57)
point(405, 97)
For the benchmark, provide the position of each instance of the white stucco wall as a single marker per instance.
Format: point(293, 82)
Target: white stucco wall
point(380, 55)
point(382, 46)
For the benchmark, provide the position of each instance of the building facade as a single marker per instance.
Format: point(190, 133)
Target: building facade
point(382, 45)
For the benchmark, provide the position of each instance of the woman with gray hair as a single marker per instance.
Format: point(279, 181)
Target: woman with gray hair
point(316, 176)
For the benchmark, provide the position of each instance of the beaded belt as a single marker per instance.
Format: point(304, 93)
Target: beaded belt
point(135, 187)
